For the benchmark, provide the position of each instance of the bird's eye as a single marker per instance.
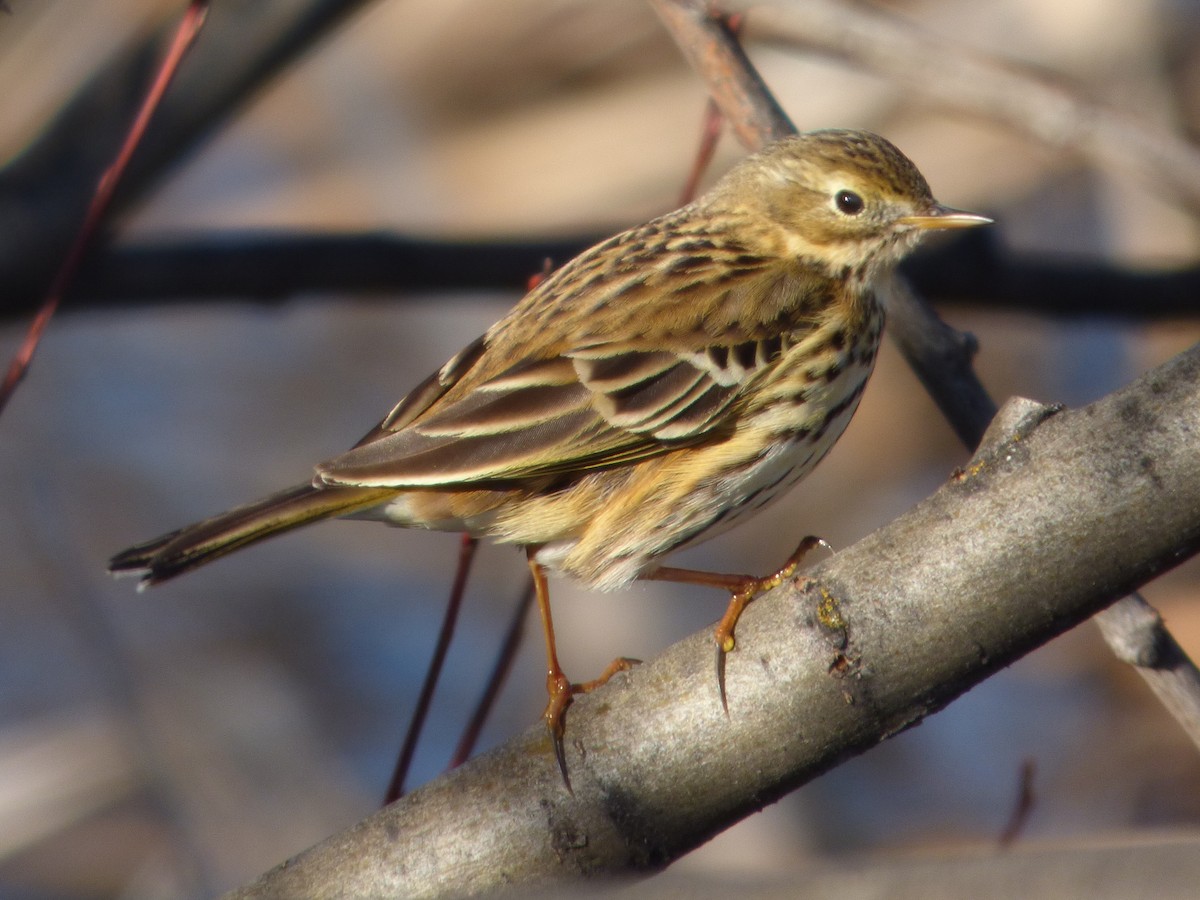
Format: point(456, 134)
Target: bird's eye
point(848, 202)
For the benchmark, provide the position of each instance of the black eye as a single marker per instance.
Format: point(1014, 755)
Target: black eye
point(848, 202)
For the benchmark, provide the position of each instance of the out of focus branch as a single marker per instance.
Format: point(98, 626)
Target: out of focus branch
point(274, 267)
point(1136, 633)
point(44, 192)
point(945, 71)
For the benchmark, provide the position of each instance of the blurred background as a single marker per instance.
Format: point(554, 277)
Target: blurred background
point(183, 740)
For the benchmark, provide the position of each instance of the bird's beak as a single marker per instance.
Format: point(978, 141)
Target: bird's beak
point(944, 217)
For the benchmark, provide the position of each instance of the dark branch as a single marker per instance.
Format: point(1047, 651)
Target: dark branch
point(44, 192)
point(274, 267)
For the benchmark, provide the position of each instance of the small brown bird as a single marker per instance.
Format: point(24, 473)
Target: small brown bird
point(652, 392)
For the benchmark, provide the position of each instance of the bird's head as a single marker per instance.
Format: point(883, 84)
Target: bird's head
point(847, 201)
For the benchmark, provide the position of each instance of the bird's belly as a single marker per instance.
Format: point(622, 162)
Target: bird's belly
point(700, 492)
point(795, 449)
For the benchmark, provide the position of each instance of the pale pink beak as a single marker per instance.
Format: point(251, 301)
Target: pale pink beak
point(944, 217)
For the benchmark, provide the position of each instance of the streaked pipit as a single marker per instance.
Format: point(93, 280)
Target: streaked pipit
point(652, 392)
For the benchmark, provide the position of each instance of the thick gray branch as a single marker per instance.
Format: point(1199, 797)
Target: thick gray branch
point(1136, 633)
point(1058, 516)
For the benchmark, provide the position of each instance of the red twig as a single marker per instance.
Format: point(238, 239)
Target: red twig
point(504, 661)
point(466, 553)
point(185, 36)
point(713, 126)
point(714, 123)
point(1023, 807)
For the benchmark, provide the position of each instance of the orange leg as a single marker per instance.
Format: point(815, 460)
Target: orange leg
point(743, 588)
point(620, 664)
point(558, 686)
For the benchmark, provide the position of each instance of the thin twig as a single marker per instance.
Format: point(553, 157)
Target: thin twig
point(710, 133)
point(1023, 805)
point(499, 674)
point(185, 35)
point(408, 749)
point(951, 73)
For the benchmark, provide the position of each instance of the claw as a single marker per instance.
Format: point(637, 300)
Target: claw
point(743, 591)
point(560, 753)
point(561, 691)
point(721, 654)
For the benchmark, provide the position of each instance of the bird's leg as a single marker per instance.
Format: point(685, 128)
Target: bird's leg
point(558, 686)
point(620, 664)
point(743, 589)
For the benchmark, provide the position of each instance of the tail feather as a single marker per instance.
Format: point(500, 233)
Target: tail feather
point(194, 545)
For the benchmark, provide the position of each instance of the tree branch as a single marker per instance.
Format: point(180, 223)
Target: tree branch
point(44, 192)
point(273, 267)
point(943, 70)
point(873, 640)
point(940, 356)
point(1135, 632)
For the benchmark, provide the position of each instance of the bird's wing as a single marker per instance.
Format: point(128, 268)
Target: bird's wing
point(594, 406)
point(428, 392)
point(615, 358)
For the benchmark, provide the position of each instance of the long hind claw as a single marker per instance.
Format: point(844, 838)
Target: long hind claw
point(721, 654)
point(561, 693)
point(749, 589)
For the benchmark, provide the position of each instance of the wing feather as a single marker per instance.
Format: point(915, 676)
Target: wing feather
point(520, 426)
point(543, 394)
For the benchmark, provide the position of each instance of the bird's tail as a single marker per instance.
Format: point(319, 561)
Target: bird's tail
point(194, 545)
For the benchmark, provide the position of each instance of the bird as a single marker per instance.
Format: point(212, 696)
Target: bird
point(652, 392)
